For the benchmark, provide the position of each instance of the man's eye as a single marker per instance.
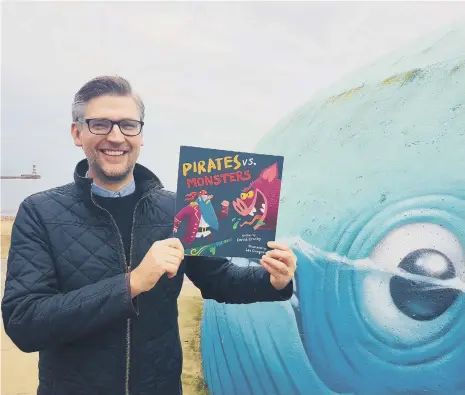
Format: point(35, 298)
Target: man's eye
point(129, 125)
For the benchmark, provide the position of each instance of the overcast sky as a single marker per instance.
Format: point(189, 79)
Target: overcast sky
point(218, 75)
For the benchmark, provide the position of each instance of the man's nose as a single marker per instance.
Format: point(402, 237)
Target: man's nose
point(115, 134)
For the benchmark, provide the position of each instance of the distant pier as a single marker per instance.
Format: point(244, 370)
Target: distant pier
point(31, 176)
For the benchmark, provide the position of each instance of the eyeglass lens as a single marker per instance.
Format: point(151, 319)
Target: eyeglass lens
point(103, 126)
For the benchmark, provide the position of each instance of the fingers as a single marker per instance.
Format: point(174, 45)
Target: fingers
point(287, 257)
point(170, 251)
point(274, 272)
point(171, 269)
point(171, 242)
point(174, 260)
point(280, 262)
point(167, 254)
point(278, 246)
point(278, 254)
point(278, 267)
point(171, 259)
point(171, 246)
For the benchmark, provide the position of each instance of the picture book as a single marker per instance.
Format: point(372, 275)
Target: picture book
point(227, 202)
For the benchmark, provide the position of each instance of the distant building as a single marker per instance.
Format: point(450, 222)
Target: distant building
point(31, 176)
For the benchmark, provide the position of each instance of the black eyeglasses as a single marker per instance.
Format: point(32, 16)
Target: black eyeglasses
point(102, 126)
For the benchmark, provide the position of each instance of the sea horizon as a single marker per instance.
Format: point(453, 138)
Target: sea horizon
point(14, 191)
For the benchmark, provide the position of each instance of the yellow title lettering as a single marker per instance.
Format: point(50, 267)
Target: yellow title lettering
point(212, 164)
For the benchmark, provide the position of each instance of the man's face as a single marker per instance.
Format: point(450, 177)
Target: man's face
point(111, 157)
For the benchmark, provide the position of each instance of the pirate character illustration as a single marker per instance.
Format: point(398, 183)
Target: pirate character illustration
point(200, 215)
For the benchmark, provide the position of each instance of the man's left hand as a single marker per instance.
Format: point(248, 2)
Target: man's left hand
point(281, 263)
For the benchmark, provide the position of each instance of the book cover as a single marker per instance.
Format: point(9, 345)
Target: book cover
point(227, 202)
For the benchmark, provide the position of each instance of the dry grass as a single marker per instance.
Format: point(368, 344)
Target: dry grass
point(6, 224)
point(19, 370)
point(190, 315)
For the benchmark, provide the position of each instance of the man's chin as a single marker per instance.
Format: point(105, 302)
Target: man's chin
point(113, 174)
point(115, 177)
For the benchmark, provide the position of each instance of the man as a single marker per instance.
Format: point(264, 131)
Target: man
point(94, 273)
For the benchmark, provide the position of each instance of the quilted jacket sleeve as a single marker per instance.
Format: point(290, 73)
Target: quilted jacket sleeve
point(36, 315)
point(221, 280)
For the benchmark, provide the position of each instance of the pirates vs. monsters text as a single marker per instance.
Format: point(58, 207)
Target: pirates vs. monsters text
point(216, 165)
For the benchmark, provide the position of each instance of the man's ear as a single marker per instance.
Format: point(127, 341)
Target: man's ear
point(76, 134)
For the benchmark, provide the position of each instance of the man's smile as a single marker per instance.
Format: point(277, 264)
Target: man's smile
point(113, 152)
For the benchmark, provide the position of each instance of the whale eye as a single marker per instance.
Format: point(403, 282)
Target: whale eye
point(424, 249)
point(243, 195)
point(430, 245)
point(250, 194)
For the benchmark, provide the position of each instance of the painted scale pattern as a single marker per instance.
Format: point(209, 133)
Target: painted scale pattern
point(374, 168)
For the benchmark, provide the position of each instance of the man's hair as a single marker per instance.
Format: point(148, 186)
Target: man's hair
point(102, 86)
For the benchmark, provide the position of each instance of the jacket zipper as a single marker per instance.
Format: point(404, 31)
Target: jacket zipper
point(128, 333)
point(127, 269)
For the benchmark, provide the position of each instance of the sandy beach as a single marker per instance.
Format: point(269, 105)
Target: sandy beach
point(19, 370)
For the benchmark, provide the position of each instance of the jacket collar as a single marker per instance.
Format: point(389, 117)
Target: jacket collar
point(145, 179)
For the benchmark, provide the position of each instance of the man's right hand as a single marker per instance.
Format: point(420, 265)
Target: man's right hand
point(164, 256)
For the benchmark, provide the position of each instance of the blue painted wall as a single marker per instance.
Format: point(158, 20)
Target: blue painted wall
point(374, 169)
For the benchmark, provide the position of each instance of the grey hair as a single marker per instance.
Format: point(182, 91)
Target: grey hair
point(100, 86)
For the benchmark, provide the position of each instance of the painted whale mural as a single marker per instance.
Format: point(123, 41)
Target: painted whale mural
point(373, 202)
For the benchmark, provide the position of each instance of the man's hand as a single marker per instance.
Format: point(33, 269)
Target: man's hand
point(281, 263)
point(164, 256)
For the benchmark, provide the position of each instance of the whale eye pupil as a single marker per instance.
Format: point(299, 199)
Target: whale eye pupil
point(419, 300)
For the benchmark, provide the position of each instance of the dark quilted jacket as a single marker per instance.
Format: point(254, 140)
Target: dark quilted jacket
point(67, 292)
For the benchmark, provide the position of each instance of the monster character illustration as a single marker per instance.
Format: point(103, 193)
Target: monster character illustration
point(201, 217)
point(260, 200)
point(374, 208)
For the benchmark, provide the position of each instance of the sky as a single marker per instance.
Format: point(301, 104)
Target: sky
point(212, 74)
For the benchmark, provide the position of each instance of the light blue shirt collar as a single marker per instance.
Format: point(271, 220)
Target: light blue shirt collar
point(127, 190)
